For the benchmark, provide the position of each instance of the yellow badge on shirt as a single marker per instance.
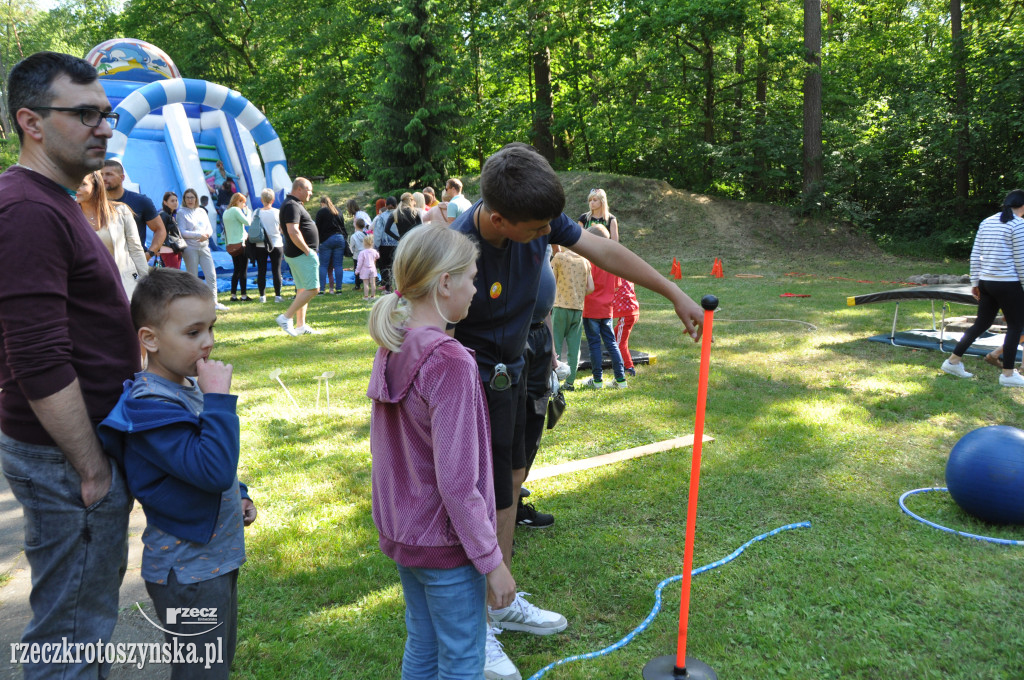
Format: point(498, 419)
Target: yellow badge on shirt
point(495, 290)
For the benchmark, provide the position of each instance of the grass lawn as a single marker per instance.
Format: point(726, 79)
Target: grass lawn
point(815, 425)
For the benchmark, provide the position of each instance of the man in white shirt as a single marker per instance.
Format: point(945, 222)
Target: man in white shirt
point(457, 203)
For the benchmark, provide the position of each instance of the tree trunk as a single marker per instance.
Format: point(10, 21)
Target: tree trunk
point(6, 124)
point(813, 165)
point(709, 90)
point(737, 127)
point(963, 130)
point(543, 104)
point(761, 112)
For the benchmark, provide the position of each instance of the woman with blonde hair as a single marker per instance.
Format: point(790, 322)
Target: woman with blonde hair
point(432, 485)
point(194, 225)
point(599, 214)
point(236, 219)
point(114, 223)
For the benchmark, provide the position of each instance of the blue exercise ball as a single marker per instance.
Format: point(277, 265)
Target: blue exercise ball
point(985, 474)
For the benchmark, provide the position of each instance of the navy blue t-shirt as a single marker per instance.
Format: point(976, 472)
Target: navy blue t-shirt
point(546, 289)
point(143, 208)
point(507, 282)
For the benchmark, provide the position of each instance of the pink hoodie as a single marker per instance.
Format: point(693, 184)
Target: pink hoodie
point(430, 437)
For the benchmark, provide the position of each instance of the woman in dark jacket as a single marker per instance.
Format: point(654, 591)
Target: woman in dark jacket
point(330, 225)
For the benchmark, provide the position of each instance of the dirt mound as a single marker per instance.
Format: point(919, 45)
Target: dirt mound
point(659, 222)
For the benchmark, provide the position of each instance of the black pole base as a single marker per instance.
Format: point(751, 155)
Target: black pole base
point(664, 668)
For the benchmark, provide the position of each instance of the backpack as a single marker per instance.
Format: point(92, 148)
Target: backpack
point(255, 229)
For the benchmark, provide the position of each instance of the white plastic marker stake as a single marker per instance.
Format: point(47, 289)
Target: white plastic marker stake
point(276, 375)
point(325, 379)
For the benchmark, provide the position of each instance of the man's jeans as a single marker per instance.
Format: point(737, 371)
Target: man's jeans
point(77, 555)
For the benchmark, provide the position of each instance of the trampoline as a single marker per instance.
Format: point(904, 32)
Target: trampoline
point(938, 337)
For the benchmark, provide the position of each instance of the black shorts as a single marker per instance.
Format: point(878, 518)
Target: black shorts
point(538, 388)
point(507, 412)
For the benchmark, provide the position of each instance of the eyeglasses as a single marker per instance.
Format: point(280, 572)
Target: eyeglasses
point(90, 117)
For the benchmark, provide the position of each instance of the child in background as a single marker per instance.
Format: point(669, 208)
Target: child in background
point(597, 322)
point(626, 309)
point(433, 489)
point(355, 244)
point(177, 437)
point(573, 281)
point(366, 268)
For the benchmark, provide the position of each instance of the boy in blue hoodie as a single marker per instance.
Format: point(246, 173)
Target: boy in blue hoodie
point(178, 440)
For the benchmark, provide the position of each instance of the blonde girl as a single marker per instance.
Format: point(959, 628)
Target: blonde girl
point(599, 214)
point(366, 268)
point(429, 423)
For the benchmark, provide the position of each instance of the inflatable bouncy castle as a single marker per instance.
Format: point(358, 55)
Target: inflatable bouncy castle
point(173, 130)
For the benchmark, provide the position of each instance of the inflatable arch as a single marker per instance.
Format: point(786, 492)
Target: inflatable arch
point(161, 93)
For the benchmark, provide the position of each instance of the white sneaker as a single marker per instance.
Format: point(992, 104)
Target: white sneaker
point(523, 616)
point(1015, 380)
point(956, 369)
point(497, 665)
point(305, 330)
point(220, 307)
point(591, 384)
point(286, 324)
point(278, 298)
point(562, 371)
point(620, 384)
point(263, 298)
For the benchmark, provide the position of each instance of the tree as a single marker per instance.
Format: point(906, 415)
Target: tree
point(814, 172)
point(414, 114)
point(963, 131)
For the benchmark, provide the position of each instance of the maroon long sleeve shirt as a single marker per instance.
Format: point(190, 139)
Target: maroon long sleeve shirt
point(63, 311)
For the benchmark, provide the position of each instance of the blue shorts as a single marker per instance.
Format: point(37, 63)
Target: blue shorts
point(305, 270)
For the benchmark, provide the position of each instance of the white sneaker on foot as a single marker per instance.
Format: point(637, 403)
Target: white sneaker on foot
point(956, 369)
point(263, 298)
point(278, 298)
point(305, 330)
point(286, 324)
point(591, 384)
point(1015, 380)
point(620, 384)
point(497, 665)
point(523, 616)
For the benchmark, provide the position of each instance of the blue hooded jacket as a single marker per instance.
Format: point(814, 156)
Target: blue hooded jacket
point(177, 464)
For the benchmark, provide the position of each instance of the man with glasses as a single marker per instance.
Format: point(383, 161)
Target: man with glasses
point(67, 346)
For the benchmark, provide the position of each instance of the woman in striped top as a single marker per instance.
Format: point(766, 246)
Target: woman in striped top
point(997, 265)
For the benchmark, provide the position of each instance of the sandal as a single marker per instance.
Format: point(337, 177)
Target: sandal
point(992, 359)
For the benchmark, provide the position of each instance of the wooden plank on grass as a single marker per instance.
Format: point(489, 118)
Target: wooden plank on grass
point(614, 457)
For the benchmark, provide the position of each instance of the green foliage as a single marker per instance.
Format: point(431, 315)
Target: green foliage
point(9, 152)
point(414, 112)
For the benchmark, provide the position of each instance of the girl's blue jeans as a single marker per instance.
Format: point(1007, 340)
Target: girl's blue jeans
point(599, 330)
point(446, 620)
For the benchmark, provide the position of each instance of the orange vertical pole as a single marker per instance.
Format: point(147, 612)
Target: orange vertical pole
point(710, 303)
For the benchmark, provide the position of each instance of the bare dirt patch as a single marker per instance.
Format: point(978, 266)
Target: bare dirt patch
point(661, 222)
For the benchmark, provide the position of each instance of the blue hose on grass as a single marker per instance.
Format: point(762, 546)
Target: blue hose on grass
point(989, 539)
point(657, 601)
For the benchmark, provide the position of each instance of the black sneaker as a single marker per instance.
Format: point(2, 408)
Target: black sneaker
point(527, 516)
